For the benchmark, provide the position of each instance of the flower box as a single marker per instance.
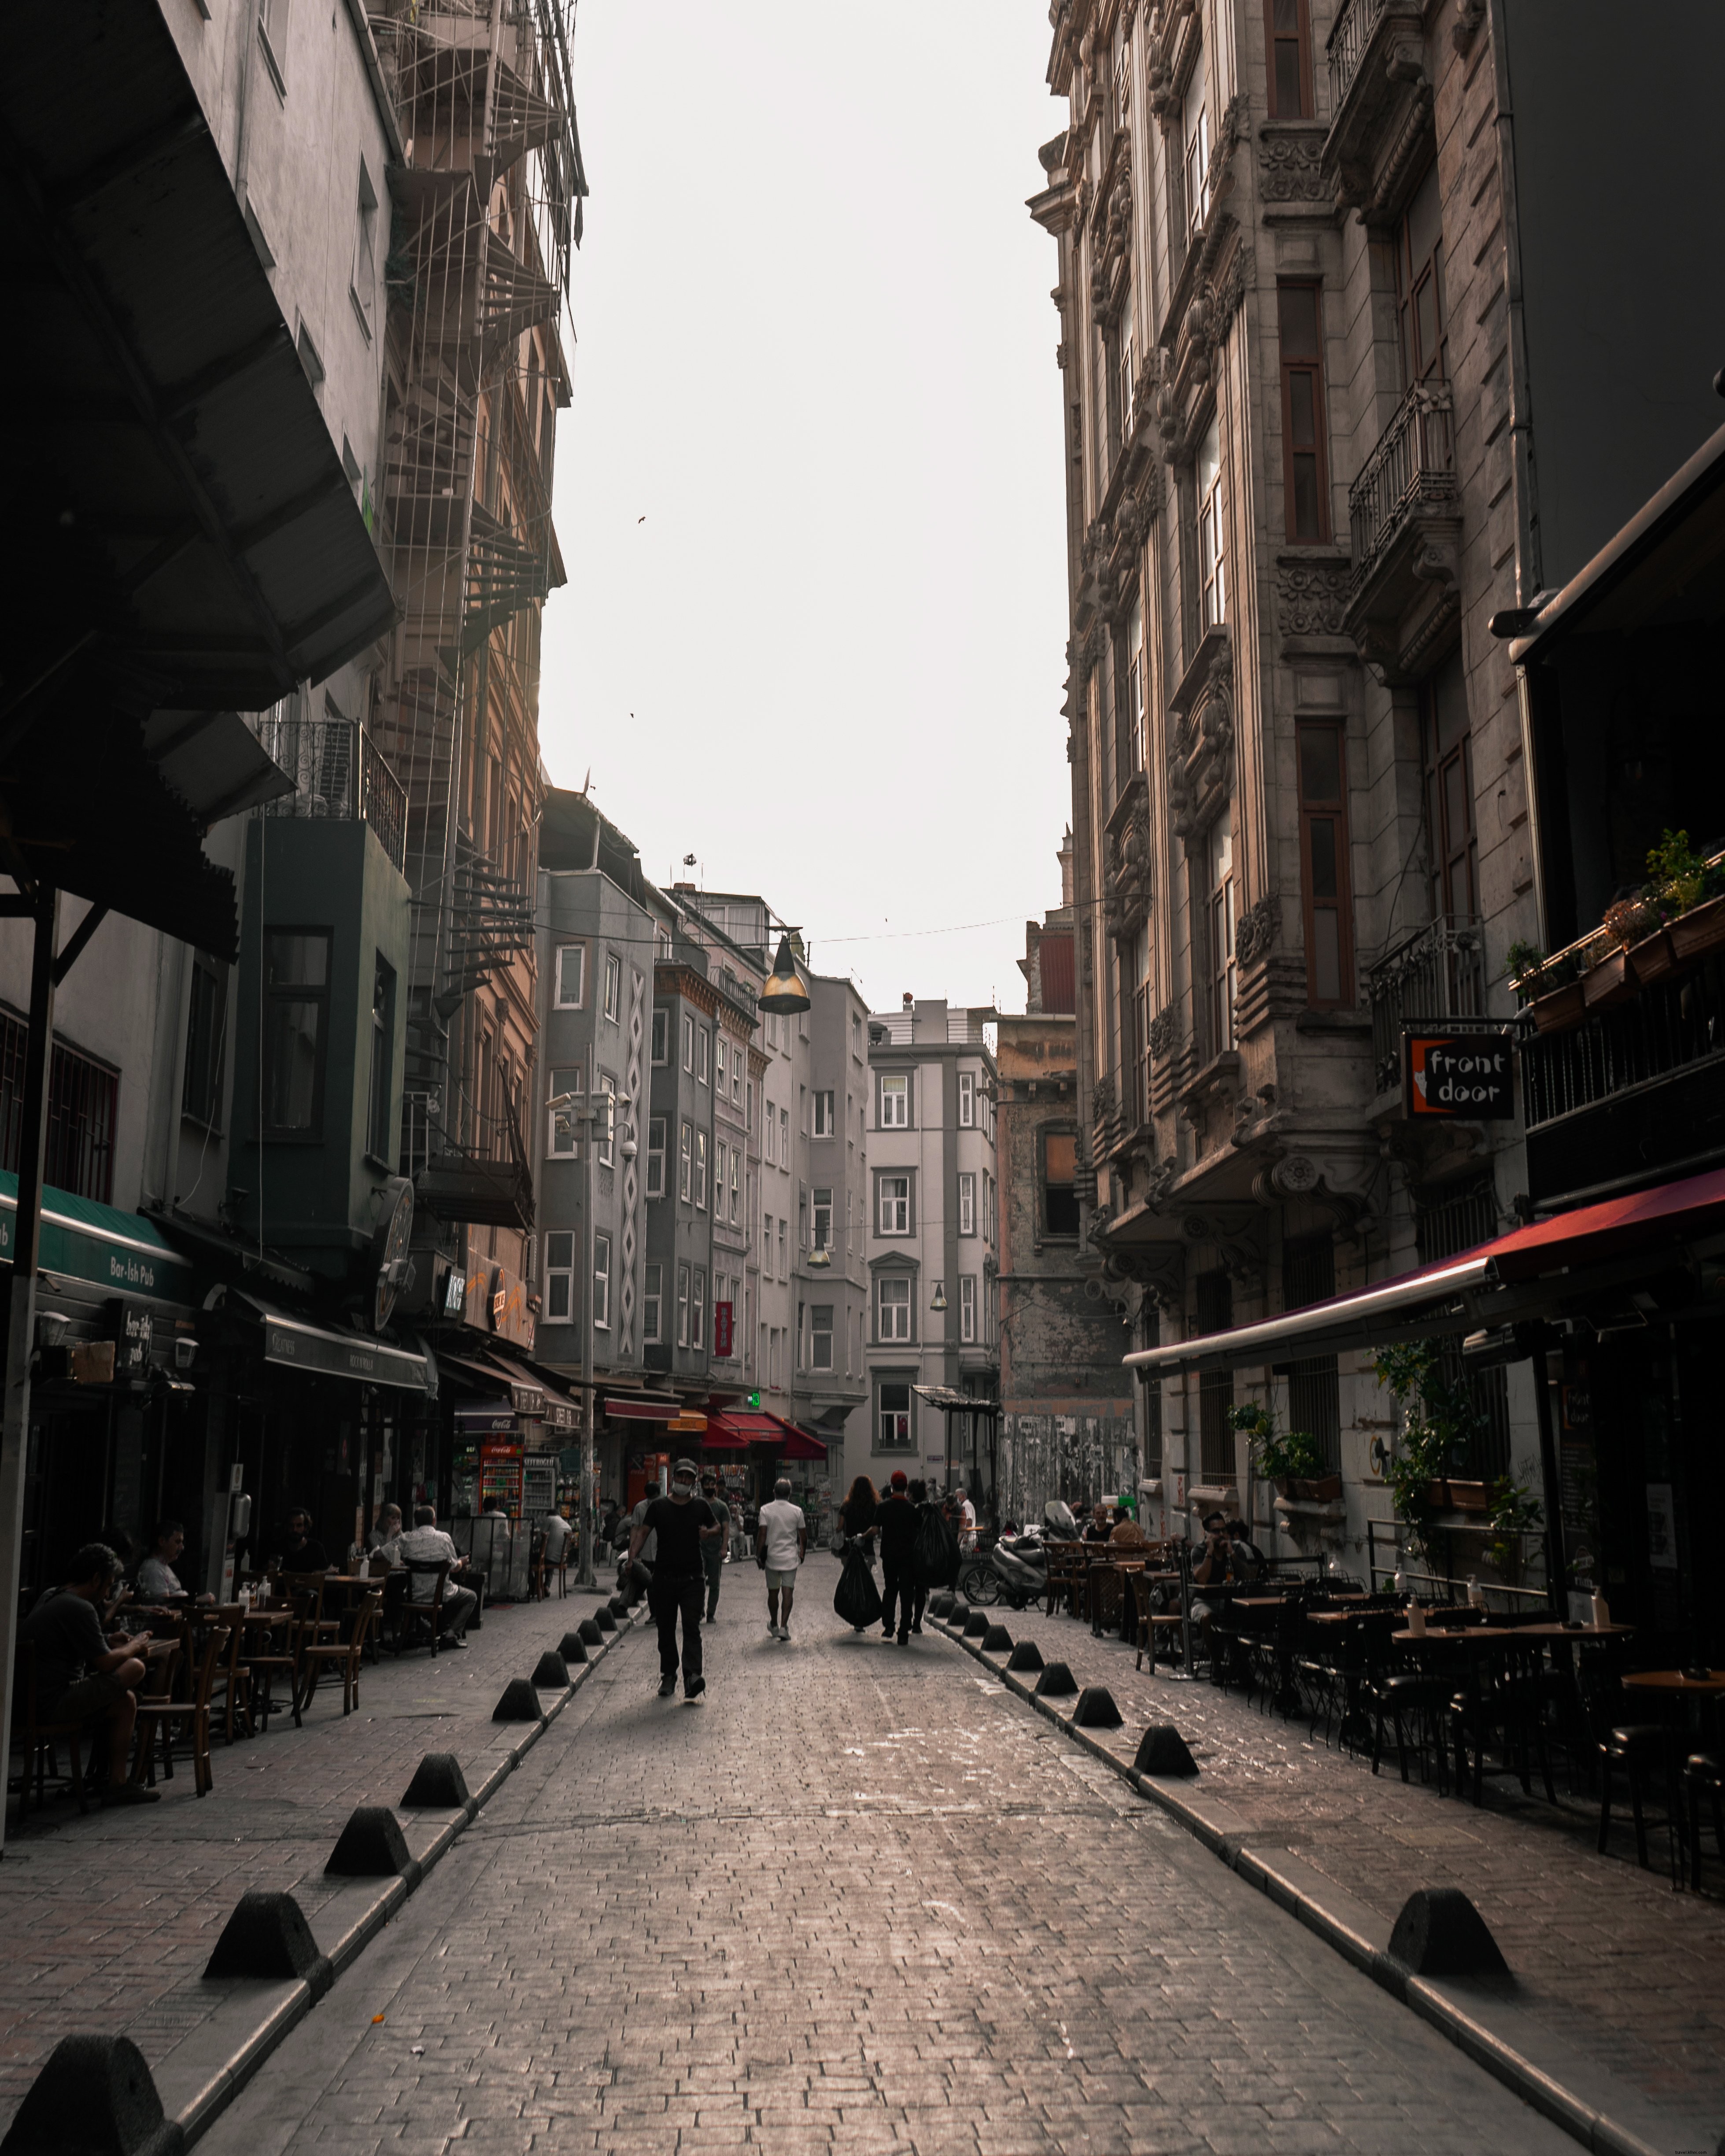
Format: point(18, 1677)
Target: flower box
point(1701, 930)
point(1610, 981)
point(1560, 1009)
point(1469, 1497)
point(1654, 959)
point(1315, 1489)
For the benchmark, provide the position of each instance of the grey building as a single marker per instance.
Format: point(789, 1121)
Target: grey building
point(932, 1246)
point(828, 1381)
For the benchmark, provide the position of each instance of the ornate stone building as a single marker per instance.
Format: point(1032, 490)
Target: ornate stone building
point(1294, 350)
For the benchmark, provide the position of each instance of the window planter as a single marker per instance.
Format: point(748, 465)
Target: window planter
point(1701, 930)
point(1655, 958)
point(1312, 1489)
point(1610, 981)
point(1459, 1496)
point(1560, 1009)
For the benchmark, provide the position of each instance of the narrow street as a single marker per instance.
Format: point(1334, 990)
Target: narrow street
point(860, 1897)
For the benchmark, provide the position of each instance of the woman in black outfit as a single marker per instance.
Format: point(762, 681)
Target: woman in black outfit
point(858, 1513)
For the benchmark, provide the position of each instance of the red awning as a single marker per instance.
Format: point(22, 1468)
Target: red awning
point(1456, 1294)
point(642, 1410)
point(739, 1429)
point(796, 1444)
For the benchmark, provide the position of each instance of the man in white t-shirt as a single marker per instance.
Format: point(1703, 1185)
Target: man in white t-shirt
point(964, 1520)
point(782, 1545)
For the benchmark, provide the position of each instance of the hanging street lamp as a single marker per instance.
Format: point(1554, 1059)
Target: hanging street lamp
point(786, 990)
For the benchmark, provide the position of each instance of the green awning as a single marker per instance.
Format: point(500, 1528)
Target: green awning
point(122, 1252)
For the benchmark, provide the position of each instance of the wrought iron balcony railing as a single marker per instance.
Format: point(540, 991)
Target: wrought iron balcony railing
point(1436, 974)
point(1668, 1026)
point(1413, 466)
point(339, 772)
point(1347, 43)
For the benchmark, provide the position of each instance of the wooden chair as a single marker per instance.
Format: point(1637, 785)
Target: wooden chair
point(342, 1655)
point(416, 1604)
point(157, 1712)
point(33, 1740)
point(279, 1657)
point(233, 1688)
point(1066, 1571)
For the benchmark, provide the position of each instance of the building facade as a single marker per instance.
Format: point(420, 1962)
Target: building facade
point(932, 1249)
point(1311, 267)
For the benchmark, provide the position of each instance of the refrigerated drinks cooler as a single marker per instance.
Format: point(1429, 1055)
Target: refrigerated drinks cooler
point(499, 1474)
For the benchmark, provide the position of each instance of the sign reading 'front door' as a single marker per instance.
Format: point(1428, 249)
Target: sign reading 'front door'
point(1467, 1076)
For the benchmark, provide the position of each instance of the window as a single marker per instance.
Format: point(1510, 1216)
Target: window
point(1212, 509)
point(823, 1114)
point(561, 1127)
point(206, 1037)
point(784, 1245)
point(655, 1156)
point(784, 1138)
point(1215, 1388)
point(1060, 1182)
point(1420, 284)
point(601, 1283)
point(1323, 864)
point(700, 1171)
point(769, 1124)
point(967, 1100)
point(1308, 1275)
point(682, 1306)
point(966, 1307)
point(895, 1104)
point(703, 1049)
point(652, 1299)
point(1287, 33)
point(1450, 842)
point(895, 1415)
point(719, 1048)
point(272, 22)
point(1125, 368)
point(685, 1164)
point(820, 1335)
point(967, 1204)
point(380, 1107)
point(613, 987)
point(1135, 691)
point(607, 1128)
point(736, 1178)
point(363, 283)
point(570, 975)
point(895, 1205)
point(296, 996)
point(720, 1150)
point(697, 1312)
point(1304, 477)
point(560, 1277)
point(892, 1302)
point(767, 1241)
point(661, 1037)
point(688, 1042)
point(1195, 132)
point(1220, 936)
point(822, 1219)
point(83, 1108)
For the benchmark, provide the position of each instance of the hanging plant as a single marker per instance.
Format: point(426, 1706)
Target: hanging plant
point(1440, 1422)
point(1278, 1458)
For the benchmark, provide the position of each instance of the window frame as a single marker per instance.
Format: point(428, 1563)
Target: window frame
point(824, 1106)
point(820, 1217)
point(613, 988)
point(1309, 370)
point(316, 994)
point(687, 1043)
point(902, 1202)
point(652, 1305)
point(1447, 855)
point(659, 1051)
point(559, 1271)
point(601, 1280)
point(655, 1156)
point(1313, 811)
point(904, 1305)
point(967, 1310)
point(966, 1201)
point(700, 1170)
point(697, 1320)
point(1210, 522)
point(1049, 1184)
point(1195, 149)
point(817, 1333)
point(902, 1438)
point(206, 1043)
point(896, 1085)
point(1272, 42)
point(1221, 922)
point(605, 1135)
point(685, 1161)
point(560, 1001)
point(703, 1056)
point(572, 1080)
point(967, 1100)
point(682, 1303)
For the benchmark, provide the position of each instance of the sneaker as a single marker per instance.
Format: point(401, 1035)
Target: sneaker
point(667, 1686)
point(455, 1639)
point(693, 1690)
point(130, 1792)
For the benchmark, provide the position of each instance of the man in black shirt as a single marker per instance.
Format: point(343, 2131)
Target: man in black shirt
point(682, 1522)
point(80, 1676)
point(896, 1520)
point(300, 1550)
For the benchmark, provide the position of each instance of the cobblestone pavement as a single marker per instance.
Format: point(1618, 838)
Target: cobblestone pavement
point(110, 1917)
point(1605, 1953)
point(860, 1897)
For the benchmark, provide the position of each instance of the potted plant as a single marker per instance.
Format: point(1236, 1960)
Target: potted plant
point(1438, 1420)
point(1691, 892)
point(1516, 1512)
point(1293, 1461)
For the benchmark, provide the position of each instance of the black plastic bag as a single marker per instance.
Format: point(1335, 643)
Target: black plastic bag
point(937, 1547)
point(856, 1598)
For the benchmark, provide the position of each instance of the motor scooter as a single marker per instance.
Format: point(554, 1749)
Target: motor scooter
point(1017, 1564)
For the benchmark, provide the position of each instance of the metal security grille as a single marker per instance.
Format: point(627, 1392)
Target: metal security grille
point(1215, 1388)
point(83, 1104)
point(1308, 1275)
point(1447, 1222)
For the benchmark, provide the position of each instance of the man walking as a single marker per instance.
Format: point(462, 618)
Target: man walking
point(783, 1531)
point(714, 1555)
point(896, 1520)
point(638, 1576)
point(681, 1523)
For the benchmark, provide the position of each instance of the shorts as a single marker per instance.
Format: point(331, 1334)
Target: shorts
point(777, 1581)
point(88, 1698)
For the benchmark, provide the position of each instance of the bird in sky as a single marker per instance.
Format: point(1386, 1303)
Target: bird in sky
point(640, 519)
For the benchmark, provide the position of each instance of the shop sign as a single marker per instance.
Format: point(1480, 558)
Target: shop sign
point(495, 1299)
point(134, 1330)
point(338, 1355)
point(124, 1258)
point(1467, 1076)
point(722, 1314)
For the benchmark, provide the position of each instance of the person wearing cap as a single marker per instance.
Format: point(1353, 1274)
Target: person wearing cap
point(683, 1523)
point(714, 1554)
point(896, 1520)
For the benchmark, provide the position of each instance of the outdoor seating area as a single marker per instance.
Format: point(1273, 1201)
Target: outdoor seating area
point(1468, 1697)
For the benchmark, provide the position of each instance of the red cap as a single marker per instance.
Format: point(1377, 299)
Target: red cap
point(901, 1481)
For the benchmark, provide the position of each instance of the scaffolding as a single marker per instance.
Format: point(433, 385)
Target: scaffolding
point(487, 207)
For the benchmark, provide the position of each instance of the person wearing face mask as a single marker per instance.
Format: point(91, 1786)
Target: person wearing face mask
point(683, 1523)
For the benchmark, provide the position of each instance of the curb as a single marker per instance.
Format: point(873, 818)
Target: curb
point(202, 2074)
point(1464, 2011)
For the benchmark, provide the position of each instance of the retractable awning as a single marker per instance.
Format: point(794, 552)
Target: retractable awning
point(300, 1345)
point(122, 1253)
point(1530, 1272)
point(734, 1431)
point(950, 1401)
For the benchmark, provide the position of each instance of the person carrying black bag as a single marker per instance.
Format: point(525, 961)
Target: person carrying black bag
point(896, 1522)
point(856, 1598)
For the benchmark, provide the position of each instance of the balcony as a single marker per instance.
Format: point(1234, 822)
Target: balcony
point(1436, 975)
point(1406, 533)
point(338, 772)
point(1379, 97)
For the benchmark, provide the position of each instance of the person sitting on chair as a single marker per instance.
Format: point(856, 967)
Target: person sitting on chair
point(298, 1547)
point(387, 1529)
point(423, 1546)
point(157, 1580)
point(81, 1675)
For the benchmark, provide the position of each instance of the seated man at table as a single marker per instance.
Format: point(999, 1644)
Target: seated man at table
point(157, 1580)
point(298, 1547)
point(558, 1535)
point(83, 1677)
point(1098, 1526)
point(1212, 1566)
point(1245, 1556)
point(424, 1546)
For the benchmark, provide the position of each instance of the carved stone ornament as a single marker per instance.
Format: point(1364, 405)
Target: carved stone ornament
point(1164, 1031)
point(1200, 753)
point(1312, 598)
point(1257, 929)
point(1131, 874)
point(1290, 167)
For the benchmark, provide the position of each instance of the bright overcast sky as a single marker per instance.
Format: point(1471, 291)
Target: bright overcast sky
point(817, 355)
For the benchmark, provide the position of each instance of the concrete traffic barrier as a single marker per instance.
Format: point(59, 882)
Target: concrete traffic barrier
point(1056, 1681)
point(997, 1641)
point(1095, 1709)
point(95, 2095)
point(605, 1617)
point(1440, 1932)
point(1026, 1656)
point(371, 1847)
point(589, 1630)
point(1162, 1750)
point(438, 1785)
point(268, 1936)
point(520, 1703)
point(572, 1647)
point(551, 1673)
point(975, 1625)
